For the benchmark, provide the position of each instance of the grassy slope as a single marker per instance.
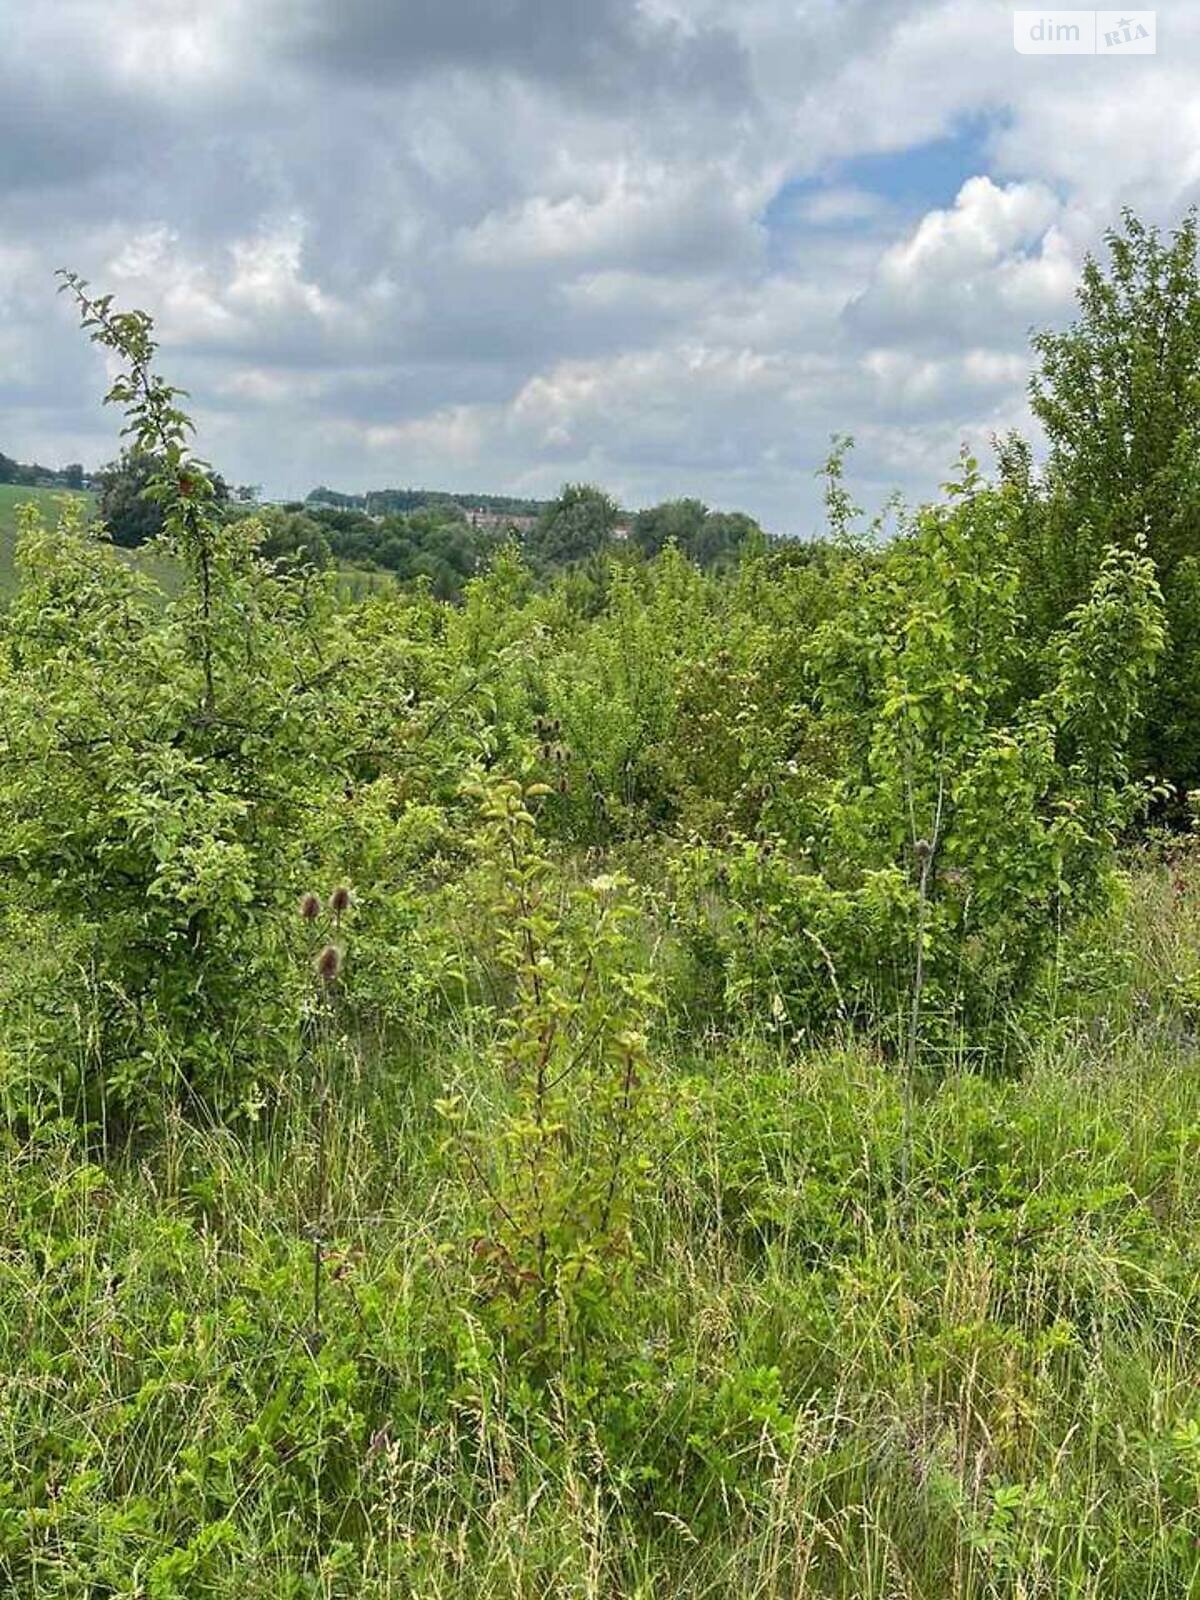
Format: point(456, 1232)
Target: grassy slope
point(984, 1387)
point(353, 582)
point(12, 497)
point(48, 501)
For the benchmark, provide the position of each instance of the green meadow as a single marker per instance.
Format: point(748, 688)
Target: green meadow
point(628, 1079)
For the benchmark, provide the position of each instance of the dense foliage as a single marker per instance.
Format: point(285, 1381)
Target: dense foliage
point(644, 1066)
point(132, 516)
point(1118, 395)
point(709, 538)
point(435, 543)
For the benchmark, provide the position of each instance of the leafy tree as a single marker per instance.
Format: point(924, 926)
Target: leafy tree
point(709, 538)
point(322, 496)
point(574, 526)
point(1118, 394)
point(558, 1181)
point(671, 520)
point(161, 761)
point(723, 537)
point(132, 515)
point(292, 538)
point(964, 821)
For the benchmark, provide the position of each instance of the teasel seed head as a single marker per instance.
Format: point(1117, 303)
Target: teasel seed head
point(310, 907)
point(339, 900)
point(329, 963)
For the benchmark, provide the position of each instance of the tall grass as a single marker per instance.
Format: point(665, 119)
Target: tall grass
point(985, 1384)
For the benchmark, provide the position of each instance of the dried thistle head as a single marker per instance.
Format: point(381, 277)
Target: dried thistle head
point(329, 963)
point(339, 900)
point(310, 907)
point(922, 849)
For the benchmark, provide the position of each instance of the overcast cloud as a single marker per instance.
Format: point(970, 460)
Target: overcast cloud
point(494, 244)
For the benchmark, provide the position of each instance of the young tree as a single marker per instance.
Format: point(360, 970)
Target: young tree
point(160, 758)
point(1118, 394)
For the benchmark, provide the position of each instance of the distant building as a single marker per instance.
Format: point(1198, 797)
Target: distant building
point(499, 521)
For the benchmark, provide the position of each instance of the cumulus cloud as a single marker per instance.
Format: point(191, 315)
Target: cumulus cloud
point(496, 243)
point(998, 255)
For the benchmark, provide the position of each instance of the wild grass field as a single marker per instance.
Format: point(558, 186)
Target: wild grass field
point(982, 1381)
point(634, 1081)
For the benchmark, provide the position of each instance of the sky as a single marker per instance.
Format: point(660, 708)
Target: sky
point(669, 246)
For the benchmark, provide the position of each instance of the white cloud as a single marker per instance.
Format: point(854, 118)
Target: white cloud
point(654, 214)
point(844, 203)
point(268, 274)
point(397, 242)
point(452, 435)
point(997, 247)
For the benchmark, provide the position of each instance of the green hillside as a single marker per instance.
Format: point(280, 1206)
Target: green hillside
point(14, 496)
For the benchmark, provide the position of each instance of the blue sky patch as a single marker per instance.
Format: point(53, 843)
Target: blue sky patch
point(865, 189)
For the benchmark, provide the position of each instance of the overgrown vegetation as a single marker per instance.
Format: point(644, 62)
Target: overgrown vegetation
point(669, 1077)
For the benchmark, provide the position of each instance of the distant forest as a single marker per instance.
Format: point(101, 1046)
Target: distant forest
point(34, 475)
point(383, 502)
